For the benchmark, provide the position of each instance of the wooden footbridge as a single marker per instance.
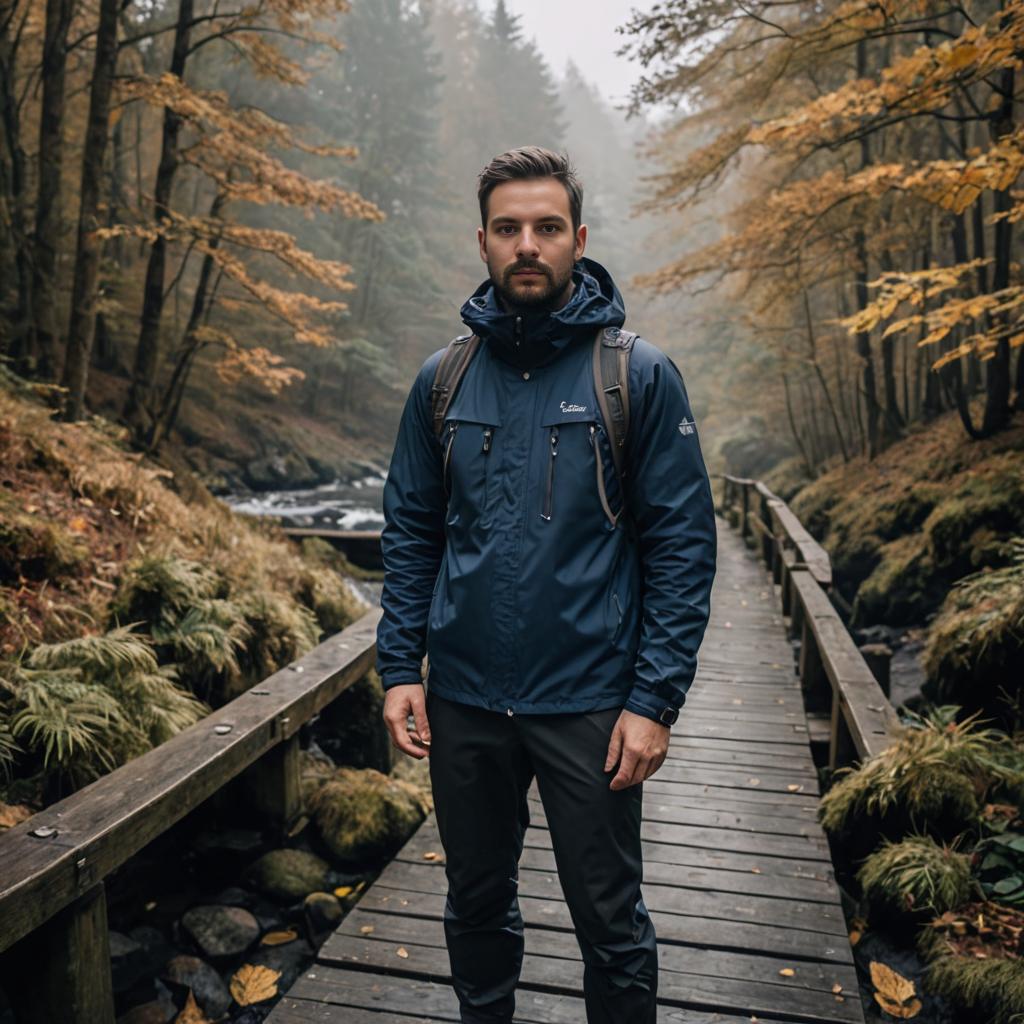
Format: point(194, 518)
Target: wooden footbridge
point(738, 875)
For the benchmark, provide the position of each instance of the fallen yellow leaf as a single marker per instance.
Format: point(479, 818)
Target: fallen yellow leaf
point(279, 938)
point(837, 988)
point(894, 993)
point(402, 952)
point(754, 781)
point(787, 972)
point(190, 1012)
point(794, 787)
point(342, 891)
point(253, 984)
point(11, 814)
point(431, 855)
point(366, 929)
point(78, 524)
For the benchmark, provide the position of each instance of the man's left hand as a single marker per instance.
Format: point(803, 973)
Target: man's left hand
point(638, 745)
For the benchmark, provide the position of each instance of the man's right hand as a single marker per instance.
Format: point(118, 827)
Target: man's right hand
point(399, 703)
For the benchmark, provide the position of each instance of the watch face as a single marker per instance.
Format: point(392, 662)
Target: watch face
point(668, 716)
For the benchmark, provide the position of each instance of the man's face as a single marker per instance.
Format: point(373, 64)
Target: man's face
point(529, 245)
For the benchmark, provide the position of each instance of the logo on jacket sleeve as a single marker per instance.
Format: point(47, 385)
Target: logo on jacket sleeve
point(569, 407)
point(686, 426)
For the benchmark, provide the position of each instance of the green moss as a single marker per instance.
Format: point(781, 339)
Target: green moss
point(915, 876)
point(928, 781)
point(363, 815)
point(288, 875)
point(968, 524)
point(975, 650)
point(900, 590)
point(993, 990)
point(36, 547)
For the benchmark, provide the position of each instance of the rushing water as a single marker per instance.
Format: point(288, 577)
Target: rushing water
point(341, 504)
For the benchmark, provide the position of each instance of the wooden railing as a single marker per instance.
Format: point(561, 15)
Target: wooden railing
point(837, 681)
point(53, 916)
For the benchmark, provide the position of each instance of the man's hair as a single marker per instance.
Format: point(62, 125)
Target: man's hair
point(531, 162)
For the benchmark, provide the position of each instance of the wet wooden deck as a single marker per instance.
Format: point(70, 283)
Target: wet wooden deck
point(737, 871)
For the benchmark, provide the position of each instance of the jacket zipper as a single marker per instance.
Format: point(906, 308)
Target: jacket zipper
point(546, 514)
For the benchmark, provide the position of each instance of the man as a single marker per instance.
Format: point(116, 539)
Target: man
point(561, 614)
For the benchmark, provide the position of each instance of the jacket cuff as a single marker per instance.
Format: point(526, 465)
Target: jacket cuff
point(400, 677)
point(643, 702)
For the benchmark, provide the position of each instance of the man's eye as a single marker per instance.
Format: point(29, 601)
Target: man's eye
point(506, 229)
point(549, 228)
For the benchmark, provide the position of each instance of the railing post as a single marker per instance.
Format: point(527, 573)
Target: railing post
point(61, 971)
point(745, 513)
point(813, 681)
point(272, 787)
point(879, 658)
point(841, 750)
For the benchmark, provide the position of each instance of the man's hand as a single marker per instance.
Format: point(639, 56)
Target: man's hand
point(399, 703)
point(638, 745)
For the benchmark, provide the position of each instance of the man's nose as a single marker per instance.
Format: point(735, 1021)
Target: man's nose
point(527, 246)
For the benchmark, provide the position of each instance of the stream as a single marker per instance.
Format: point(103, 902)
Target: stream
point(340, 504)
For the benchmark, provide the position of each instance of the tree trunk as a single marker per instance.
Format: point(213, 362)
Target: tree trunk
point(139, 409)
point(997, 376)
point(48, 205)
point(191, 344)
point(13, 192)
point(813, 351)
point(893, 420)
point(87, 259)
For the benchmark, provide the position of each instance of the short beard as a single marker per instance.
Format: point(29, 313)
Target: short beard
point(548, 299)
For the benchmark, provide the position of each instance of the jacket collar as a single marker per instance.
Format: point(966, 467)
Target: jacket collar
point(531, 338)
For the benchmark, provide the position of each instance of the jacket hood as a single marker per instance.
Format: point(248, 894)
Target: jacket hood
point(595, 302)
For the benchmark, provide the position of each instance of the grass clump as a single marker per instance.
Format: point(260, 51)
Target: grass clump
point(975, 649)
point(915, 876)
point(929, 781)
point(975, 962)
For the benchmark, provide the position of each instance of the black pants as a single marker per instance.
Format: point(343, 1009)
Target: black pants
point(481, 766)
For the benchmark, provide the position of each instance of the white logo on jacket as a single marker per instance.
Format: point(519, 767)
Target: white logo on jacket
point(686, 426)
point(569, 407)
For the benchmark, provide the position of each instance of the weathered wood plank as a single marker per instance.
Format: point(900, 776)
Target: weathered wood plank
point(751, 936)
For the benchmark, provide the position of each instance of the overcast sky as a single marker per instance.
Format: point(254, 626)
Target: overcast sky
point(583, 30)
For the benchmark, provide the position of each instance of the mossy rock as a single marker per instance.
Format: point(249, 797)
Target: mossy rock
point(351, 730)
point(902, 588)
point(966, 526)
point(36, 548)
point(975, 651)
point(288, 875)
point(989, 991)
point(909, 881)
point(363, 815)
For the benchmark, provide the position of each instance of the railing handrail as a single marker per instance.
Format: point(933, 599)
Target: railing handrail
point(834, 674)
point(90, 833)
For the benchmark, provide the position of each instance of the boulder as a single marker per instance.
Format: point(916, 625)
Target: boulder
point(189, 972)
point(221, 932)
point(363, 815)
point(288, 875)
point(323, 912)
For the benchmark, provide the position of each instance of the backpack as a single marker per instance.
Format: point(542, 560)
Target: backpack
point(612, 349)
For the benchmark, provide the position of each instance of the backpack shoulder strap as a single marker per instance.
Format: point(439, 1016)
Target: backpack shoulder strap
point(612, 349)
point(448, 376)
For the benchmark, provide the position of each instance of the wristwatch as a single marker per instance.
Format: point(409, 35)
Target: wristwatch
point(668, 716)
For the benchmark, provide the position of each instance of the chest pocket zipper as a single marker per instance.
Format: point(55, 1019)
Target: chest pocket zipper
point(546, 514)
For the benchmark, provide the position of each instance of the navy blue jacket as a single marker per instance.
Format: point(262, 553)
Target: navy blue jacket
point(523, 595)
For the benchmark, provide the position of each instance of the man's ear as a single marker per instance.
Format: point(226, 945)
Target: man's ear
point(481, 238)
point(581, 240)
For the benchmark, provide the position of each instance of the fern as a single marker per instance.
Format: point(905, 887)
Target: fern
point(116, 653)
point(76, 726)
